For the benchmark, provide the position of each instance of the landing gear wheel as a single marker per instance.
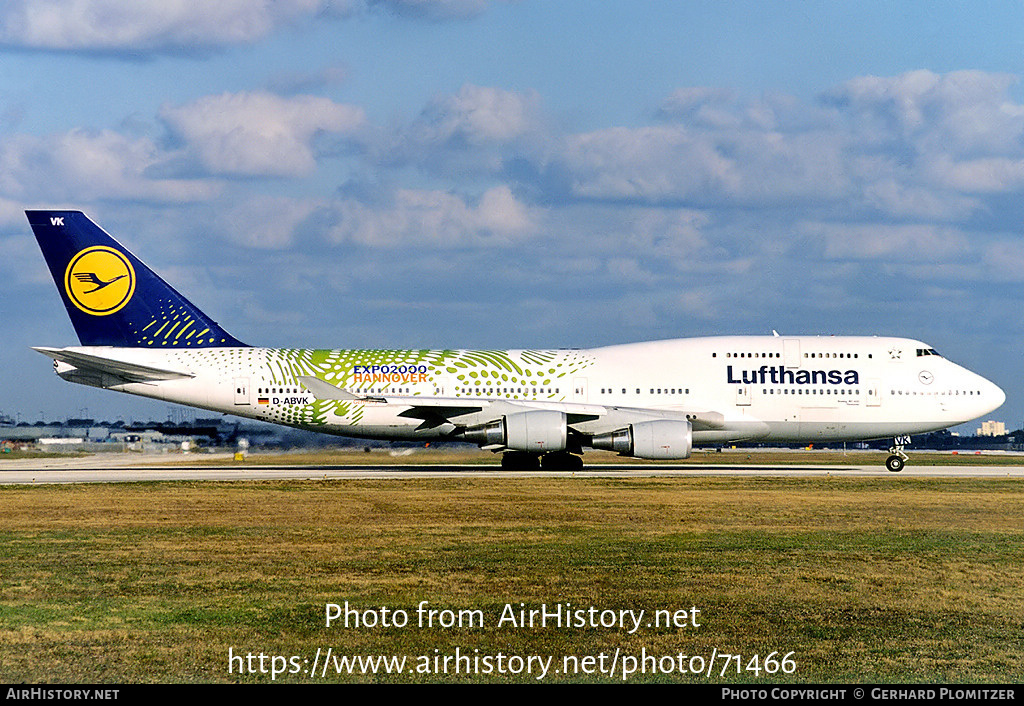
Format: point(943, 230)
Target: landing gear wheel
point(519, 461)
point(896, 456)
point(562, 461)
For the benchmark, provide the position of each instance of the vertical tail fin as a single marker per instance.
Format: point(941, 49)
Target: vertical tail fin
point(114, 299)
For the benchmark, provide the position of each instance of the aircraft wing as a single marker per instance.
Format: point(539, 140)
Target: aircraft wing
point(129, 372)
point(324, 390)
point(435, 411)
point(448, 406)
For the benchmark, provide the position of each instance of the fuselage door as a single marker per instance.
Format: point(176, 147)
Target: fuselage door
point(242, 391)
point(791, 352)
point(871, 393)
point(743, 396)
point(579, 391)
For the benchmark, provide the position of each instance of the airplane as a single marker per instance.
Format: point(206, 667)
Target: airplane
point(539, 408)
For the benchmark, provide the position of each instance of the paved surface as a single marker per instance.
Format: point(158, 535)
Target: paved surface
point(119, 469)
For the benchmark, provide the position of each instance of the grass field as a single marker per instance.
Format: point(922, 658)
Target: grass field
point(862, 580)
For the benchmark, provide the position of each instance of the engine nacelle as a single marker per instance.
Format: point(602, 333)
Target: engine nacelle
point(538, 431)
point(658, 439)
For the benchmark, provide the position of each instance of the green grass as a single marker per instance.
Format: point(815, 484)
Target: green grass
point(19, 454)
point(867, 580)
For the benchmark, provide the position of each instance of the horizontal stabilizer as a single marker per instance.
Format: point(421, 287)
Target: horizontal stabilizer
point(130, 372)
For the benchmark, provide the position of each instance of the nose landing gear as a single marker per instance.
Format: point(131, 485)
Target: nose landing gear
point(897, 459)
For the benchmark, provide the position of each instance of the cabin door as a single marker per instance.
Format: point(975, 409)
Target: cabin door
point(241, 391)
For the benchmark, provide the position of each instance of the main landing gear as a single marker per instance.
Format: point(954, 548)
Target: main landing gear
point(897, 458)
point(555, 461)
point(519, 461)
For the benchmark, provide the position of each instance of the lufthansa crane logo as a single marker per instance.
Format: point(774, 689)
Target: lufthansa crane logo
point(99, 280)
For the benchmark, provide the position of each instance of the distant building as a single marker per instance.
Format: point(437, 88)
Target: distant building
point(992, 429)
point(210, 431)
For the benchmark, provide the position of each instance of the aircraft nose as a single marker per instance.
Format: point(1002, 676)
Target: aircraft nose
point(994, 395)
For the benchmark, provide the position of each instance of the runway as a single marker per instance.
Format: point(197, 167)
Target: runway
point(103, 469)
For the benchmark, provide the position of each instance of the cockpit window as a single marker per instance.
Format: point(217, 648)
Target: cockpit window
point(926, 351)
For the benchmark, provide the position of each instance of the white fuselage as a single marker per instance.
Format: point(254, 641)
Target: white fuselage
point(734, 388)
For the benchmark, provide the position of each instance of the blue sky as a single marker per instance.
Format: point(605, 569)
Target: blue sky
point(482, 173)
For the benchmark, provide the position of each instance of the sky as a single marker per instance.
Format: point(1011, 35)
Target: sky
point(522, 174)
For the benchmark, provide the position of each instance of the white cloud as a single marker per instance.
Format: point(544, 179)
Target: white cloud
point(185, 25)
point(266, 222)
point(699, 105)
point(674, 235)
point(81, 165)
point(259, 133)
point(499, 212)
point(479, 114)
point(129, 24)
point(674, 163)
point(922, 243)
point(646, 164)
point(921, 146)
point(419, 218)
point(477, 129)
point(957, 132)
point(977, 176)
point(1004, 260)
point(661, 198)
point(964, 112)
point(897, 198)
point(12, 215)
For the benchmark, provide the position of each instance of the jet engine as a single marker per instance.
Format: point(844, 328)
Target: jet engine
point(657, 439)
point(539, 431)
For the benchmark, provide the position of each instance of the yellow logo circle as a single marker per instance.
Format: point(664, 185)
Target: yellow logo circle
point(99, 280)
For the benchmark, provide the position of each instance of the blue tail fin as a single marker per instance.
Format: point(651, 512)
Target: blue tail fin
point(113, 299)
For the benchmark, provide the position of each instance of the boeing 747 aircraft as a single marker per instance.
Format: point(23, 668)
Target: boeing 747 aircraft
point(648, 400)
